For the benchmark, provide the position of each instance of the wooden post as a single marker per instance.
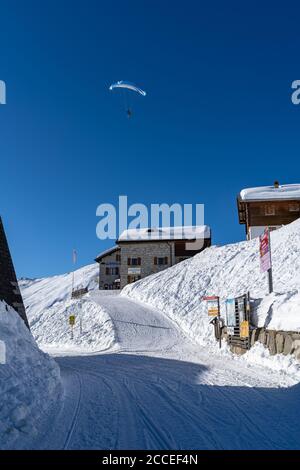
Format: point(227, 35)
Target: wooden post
point(270, 272)
point(219, 322)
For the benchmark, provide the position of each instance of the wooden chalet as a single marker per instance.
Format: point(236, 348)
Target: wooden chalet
point(268, 206)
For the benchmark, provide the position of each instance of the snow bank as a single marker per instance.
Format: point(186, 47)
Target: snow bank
point(285, 365)
point(279, 311)
point(93, 330)
point(29, 379)
point(228, 271)
point(49, 305)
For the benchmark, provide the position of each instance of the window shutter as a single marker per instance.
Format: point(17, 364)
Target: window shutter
point(129, 261)
point(139, 261)
point(155, 260)
point(166, 260)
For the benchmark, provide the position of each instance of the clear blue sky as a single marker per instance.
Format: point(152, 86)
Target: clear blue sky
point(217, 118)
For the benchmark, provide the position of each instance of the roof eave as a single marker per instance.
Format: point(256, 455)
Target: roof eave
point(187, 240)
point(247, 201)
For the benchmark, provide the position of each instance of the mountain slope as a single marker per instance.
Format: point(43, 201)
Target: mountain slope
point(41, 294)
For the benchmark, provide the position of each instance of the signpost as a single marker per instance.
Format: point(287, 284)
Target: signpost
point(213, 310)
point(213, 305)
point(238, 321)
point(265, 256)
point(72, 323)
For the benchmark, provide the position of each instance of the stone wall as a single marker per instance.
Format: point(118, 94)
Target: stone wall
point(9, 288)
point(277, 342)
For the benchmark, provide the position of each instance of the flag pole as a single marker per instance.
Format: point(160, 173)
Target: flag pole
point(73, 272)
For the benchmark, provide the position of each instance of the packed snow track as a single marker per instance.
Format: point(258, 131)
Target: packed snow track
point(156, 390)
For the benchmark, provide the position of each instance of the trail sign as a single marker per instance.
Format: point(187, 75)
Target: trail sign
point(230, 313)
point(213, 306)
point(264, 251)
point(72, 320)
point(213, 310)
point(265, 256)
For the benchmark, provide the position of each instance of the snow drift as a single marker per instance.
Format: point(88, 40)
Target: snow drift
point(29, 379)
point(228, 271)
point(49, 305)
point(93, 330)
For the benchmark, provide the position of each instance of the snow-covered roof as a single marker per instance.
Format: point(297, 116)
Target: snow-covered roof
point(166, 233)
point(107, 252)
point(270, 193)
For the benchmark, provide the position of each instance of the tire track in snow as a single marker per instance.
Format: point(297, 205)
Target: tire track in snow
point(76, 413)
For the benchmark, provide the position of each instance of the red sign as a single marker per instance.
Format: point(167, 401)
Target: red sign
point(264, 251)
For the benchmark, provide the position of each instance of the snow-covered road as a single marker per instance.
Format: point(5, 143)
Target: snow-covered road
point(156, 389)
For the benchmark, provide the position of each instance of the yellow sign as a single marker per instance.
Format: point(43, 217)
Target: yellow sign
point(244, 329)
point(72, 320)
point(213, 311)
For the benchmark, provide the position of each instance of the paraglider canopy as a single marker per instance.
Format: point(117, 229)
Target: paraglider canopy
point(128, 86)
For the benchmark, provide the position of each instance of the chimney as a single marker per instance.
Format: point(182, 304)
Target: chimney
point(276, 184)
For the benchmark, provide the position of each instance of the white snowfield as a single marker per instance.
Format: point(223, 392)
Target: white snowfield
point(29, 380)
point(146, 372)
point(270, 193)
point(228, 271)
point(157, 390)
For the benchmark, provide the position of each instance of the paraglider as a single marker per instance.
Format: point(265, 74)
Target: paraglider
point(125, 86)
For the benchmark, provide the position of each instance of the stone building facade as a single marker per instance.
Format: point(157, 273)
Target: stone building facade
point(147, 252)
point(9, 288)
point(109, 268)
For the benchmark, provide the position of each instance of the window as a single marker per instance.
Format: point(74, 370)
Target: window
point(118, 257)
point(160, 261)
point(270, 209)
point(134, 261)
point(112, 271)
point(294, 207)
